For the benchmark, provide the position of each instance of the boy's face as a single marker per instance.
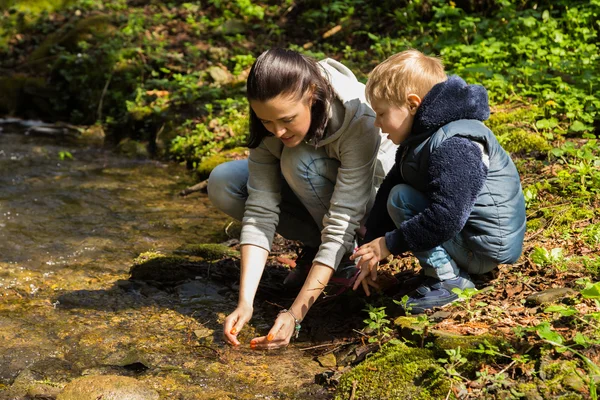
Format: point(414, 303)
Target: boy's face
point(394, 120)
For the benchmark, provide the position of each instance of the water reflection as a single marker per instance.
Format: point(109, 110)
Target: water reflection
point(72, 219)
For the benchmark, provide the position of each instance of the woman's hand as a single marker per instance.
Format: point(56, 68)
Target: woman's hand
point(235, 322)
point(370, 254)
point(279, 335)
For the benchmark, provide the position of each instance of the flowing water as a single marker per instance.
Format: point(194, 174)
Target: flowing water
point(72, 220)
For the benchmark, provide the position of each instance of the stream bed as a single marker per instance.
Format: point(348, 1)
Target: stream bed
point(72, 220)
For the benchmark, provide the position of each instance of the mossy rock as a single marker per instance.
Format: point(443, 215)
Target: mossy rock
point(521, 141)
point(133, 148)
point(535, 224)
point(108, 387)
point(208, 251)
point(515, 132)
point(561, 379)
point(396, 372)
point(447, 341)
point(157, 267)
point(205, 167)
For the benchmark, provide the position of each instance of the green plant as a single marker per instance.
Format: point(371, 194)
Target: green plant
point(64, 155)
point(378, 323)
point(555, 339)
point(543, 257)
point(404, 304)
point(464, 299)
point(580, 174)
point(452, 363)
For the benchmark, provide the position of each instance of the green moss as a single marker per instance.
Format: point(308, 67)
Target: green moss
point(529, 390)
point(133, 148)
point(397, 371)
point(521, 141)
point(209, 163)
point(34, 6)
point(205, 167)
point(535, 224)
point(159, 258)
point(555, 374)
point(207, 251)
point(515, 130)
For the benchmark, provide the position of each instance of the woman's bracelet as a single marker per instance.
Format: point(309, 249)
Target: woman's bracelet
point(296, 322)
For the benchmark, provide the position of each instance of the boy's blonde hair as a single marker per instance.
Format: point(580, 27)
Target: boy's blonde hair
point(403, 73)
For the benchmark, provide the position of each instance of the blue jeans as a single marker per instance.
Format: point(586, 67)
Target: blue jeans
point(308, 181)
point(444, 261)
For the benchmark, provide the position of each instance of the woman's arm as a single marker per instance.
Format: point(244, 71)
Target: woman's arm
point(258, 227)
point(253, 263)
point(283, 329)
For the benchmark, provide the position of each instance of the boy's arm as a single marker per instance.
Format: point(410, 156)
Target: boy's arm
point(457, 175)
point(379, 221)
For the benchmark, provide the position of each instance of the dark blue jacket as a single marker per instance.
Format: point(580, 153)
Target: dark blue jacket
point(439, 158)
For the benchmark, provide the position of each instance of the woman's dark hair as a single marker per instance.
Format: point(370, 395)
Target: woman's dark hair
point(285, 72)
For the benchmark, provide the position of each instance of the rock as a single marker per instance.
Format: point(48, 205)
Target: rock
point(133, 148)
point(327, 361)
point(232, 26)
point(208, 251)
point(574, 382)
point(94, 133)
point(400, 372)
point(107, 387)
point(15, 359)
point(439, 316)
point(550, 296)
point(220, 75)
point(199, 292)
point(132, 360)
point(218, 54)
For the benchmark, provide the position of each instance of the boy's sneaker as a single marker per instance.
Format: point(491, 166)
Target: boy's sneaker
point(436, 293)
point(296, 277)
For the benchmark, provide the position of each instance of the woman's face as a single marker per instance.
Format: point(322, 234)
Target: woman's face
point(286, 117)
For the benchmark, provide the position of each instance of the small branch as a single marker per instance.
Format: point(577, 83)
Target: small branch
point(353, 393)
point(199, 187)
point(99, 112)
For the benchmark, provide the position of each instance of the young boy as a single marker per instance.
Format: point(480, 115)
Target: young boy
point(453, 197)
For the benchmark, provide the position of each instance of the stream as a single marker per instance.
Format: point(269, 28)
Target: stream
point(73, 218)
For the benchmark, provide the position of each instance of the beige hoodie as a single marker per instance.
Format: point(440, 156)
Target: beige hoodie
point(355, 142)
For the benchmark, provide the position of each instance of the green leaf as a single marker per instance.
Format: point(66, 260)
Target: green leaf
point(578, 126)
point(545, 332)
point(562, 310)
point(546, 123)
point(581, 340)
point(592, 292)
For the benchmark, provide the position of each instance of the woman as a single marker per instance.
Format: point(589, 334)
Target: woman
point(314, 165)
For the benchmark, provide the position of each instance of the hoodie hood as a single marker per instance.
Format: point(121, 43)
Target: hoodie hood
point(449, 101)
point(349, 99)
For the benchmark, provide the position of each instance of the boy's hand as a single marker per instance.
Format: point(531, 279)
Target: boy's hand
point(370, 254)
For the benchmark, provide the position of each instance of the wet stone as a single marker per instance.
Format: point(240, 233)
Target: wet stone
point(550, 296)
point(130, 360)
point(327, 360)
point(13, 360)
point(199, 292)
point(108, 387)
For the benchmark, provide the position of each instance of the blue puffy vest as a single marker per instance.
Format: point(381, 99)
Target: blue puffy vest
point(496, 225)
